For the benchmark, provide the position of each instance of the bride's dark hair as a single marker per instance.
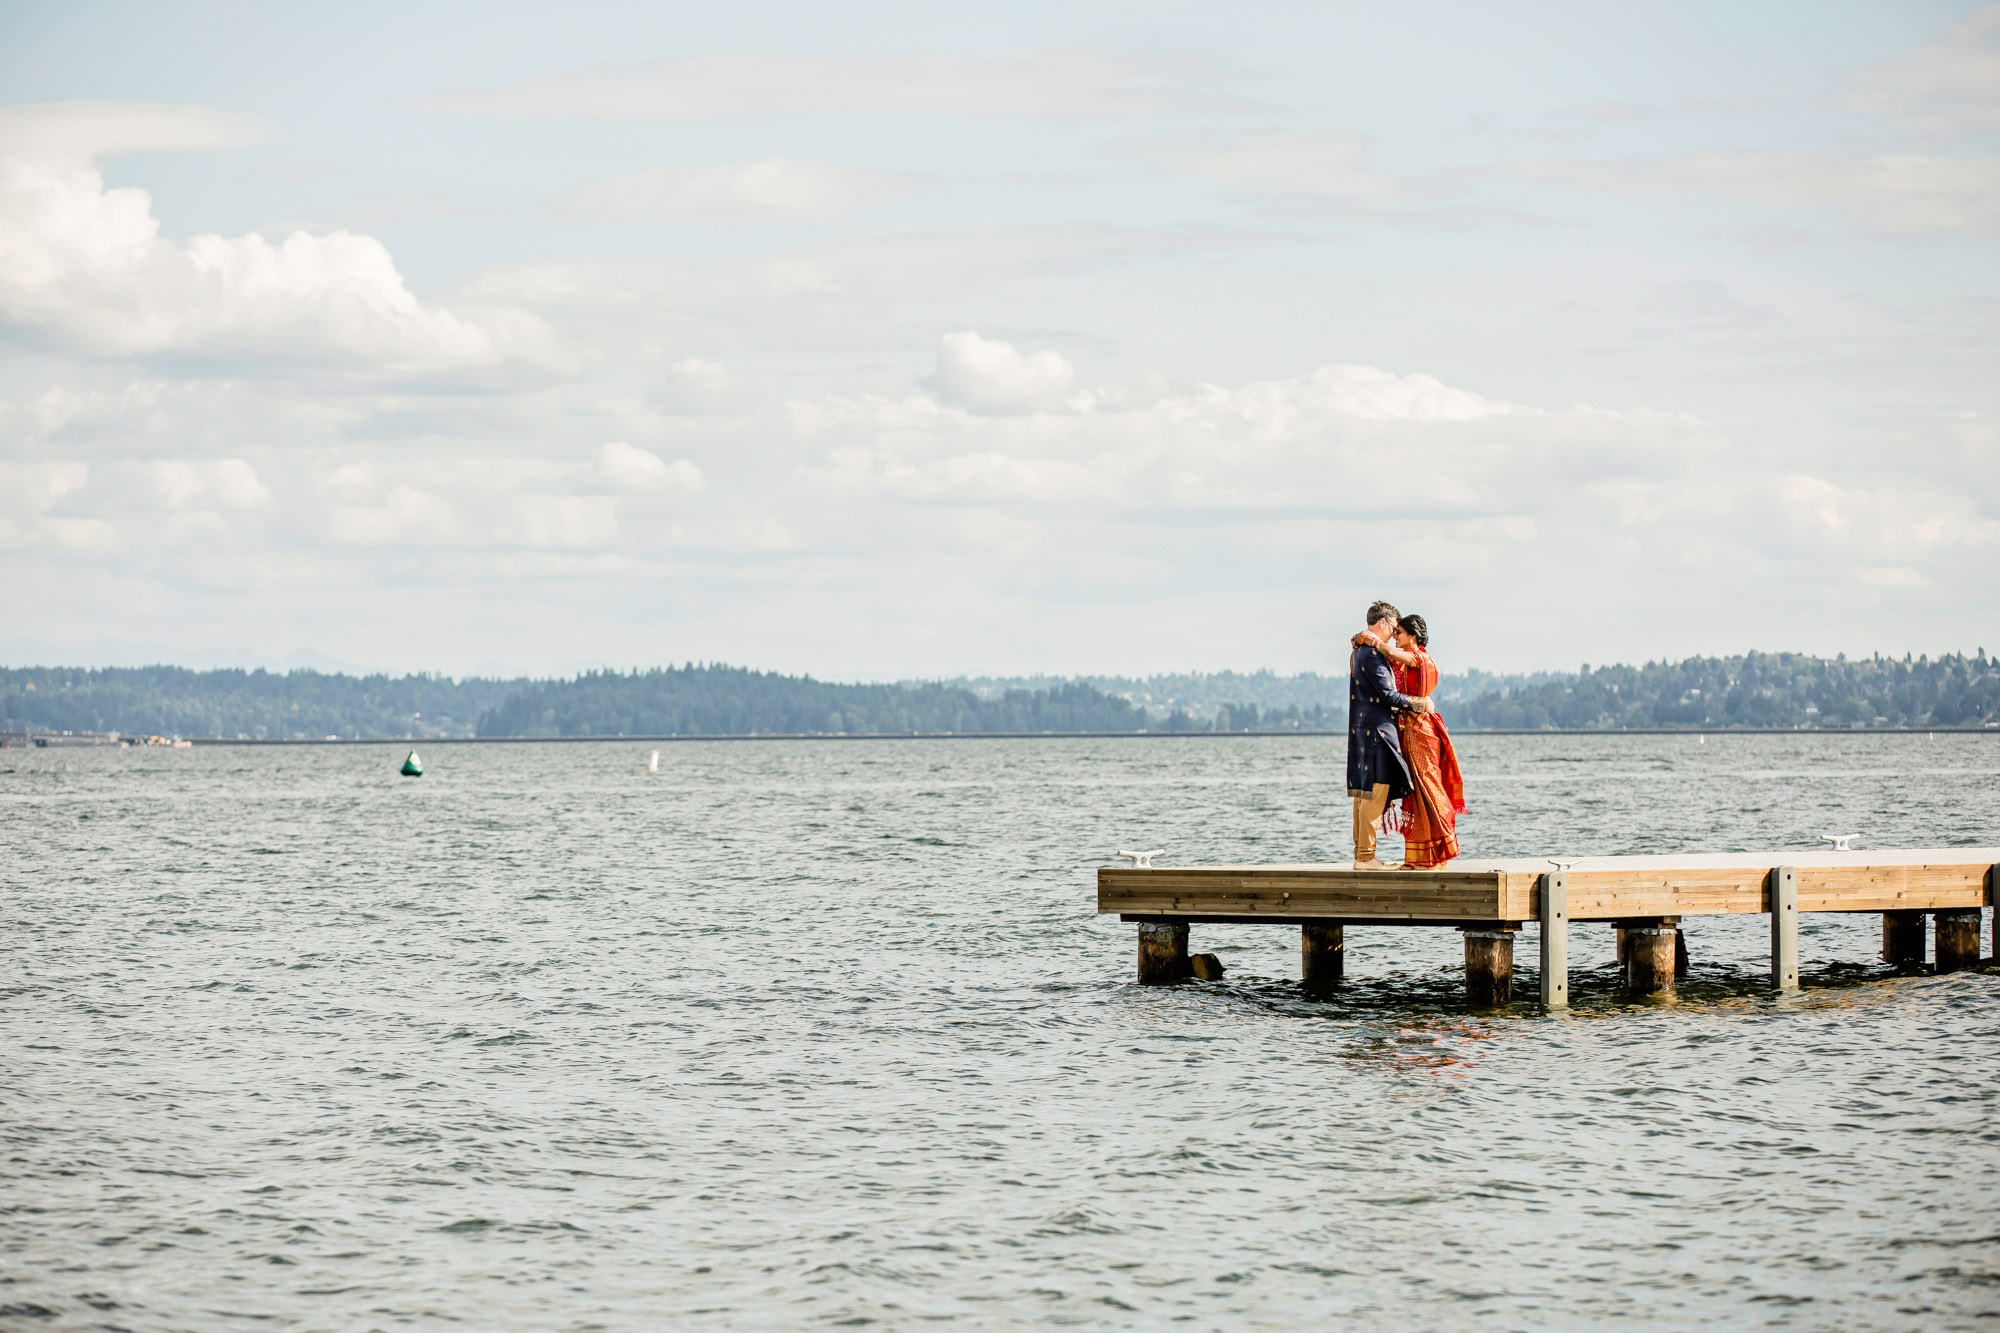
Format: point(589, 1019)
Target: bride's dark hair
point(1414, 626)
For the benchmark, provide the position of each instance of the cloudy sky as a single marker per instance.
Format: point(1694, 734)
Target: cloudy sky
point(880, 340)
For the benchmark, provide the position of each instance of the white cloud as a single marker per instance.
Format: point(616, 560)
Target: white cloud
point(988, 376)
point(1948, 88)
point(1892, 194)
point(405, 517)
point(626, 467)
point(84, 268)
point(571, 522)
point(29, 490)
point(769, 189)
point(1041, 84)
point(227, 483)
point(1326, 165)
point(32, 488)
point(1890, 525)
point(82, 131)
point(1327, 442)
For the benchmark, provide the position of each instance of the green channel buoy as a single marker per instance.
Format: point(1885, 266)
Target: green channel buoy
point(413, 767)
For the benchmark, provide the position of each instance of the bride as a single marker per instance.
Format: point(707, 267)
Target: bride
point(1428, 816)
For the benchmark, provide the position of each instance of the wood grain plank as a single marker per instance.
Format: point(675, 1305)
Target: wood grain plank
point(1599, 888)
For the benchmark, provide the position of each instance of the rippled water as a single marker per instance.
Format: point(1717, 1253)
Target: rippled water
point(795, 1034)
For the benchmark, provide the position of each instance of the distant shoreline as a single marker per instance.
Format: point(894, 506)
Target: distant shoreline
point(1076, 735)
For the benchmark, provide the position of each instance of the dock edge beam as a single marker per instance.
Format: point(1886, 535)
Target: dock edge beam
point(1784, 886)
point(1555, 940)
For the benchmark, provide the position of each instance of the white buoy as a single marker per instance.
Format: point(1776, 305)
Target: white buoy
point(653, 762)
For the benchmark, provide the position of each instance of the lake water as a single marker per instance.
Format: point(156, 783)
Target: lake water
point(797, 1034)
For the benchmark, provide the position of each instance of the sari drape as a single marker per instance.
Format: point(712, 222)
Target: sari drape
point(1427, 818)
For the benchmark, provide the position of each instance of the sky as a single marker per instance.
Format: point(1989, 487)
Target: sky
point(892, 340)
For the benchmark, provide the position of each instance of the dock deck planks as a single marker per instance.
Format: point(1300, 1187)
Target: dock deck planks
point(1601, 888)
point(1645, 895)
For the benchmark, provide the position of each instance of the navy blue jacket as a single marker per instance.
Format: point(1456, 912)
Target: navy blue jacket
point(1374, 750)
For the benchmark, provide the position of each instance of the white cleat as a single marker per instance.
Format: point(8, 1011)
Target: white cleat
point(1142, 860)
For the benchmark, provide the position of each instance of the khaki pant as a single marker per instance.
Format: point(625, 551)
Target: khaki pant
point(1367, 814)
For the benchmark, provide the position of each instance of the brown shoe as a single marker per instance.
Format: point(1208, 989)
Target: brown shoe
point(1372, 864)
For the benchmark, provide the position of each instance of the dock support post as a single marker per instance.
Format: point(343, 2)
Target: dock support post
point(1902, 937)
point(1555, 940)
point(1163, 953)
point(1680, 954)
point(1489, 966)
point(1322, 955)
point(1649, 959)
point(1784, 887)
point(1956, 940)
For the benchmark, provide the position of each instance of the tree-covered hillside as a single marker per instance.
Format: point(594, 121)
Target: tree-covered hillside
point(174, 701)
point(1286, 700)
point(721, 700)
point(1755, 690)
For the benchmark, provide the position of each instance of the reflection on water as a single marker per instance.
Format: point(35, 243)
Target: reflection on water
point(794, 1034)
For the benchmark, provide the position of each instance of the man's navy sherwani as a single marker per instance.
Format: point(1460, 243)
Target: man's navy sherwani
point(1374, 750)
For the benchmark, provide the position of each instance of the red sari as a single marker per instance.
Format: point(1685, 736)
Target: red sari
point(1427, 816)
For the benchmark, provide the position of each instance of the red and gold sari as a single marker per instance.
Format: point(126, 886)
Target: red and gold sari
point(1427, 816)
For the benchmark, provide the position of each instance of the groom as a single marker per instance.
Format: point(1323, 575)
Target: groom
point(1376, 771)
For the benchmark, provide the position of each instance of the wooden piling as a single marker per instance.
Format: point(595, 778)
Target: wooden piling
point(1163, 953)
point(1489, 966)
point(1555, 940)
point(1680, 954)
point(1322, 955)
point(1783, 886)
point(1902, 937)
point(1955, 942)
point(1649, 959)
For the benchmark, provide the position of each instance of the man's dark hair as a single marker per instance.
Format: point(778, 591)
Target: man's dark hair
point(1381, 611)
point(1414, 626)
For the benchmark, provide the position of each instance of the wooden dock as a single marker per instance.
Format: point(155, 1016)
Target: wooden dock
point(1644, 897)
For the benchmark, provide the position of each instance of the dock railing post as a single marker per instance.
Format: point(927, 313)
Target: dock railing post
point(1555, 940)
point(1784, 886)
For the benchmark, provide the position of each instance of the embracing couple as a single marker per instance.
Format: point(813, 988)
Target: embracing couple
point(1402, 773)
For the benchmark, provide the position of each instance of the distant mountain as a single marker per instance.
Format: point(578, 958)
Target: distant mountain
point(1753, 690)
point(721, 700)
point(174, 701)
point(1200, 693)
